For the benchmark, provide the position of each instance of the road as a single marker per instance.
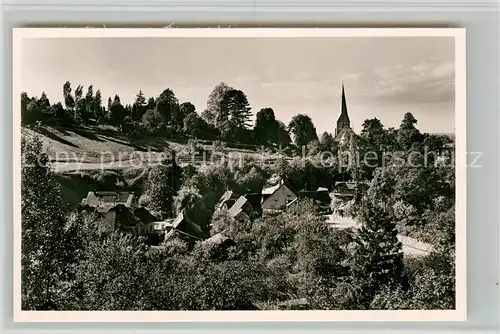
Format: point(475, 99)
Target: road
point(411, 246)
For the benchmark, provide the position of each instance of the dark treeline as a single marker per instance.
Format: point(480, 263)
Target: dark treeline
point(227, 116)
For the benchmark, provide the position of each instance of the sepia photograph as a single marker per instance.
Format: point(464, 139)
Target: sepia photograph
point(271, 171)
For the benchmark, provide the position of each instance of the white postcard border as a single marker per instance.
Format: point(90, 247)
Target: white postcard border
point(459, 314)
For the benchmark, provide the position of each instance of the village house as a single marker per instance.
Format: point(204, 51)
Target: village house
point(103, 199)
point(344, 190)
point(119, 212)
point(276, 198)
point(320, 197)
point(117, 217)
point(227, 200)
point(185, 228)
point(242, 210)
point(113, 207)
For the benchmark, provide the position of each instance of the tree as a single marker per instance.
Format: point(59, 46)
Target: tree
point(69, 101)
point(44, 104)
point(214, 114)
point(28, 114)
point(373, 146)
point(236, 108)
point(222, 222)
point(408, 134)
point(303, 130)
point(87, 108)
point(117, 112)
point(139, 106)
point(266, 127)
point(98, 111)
point(33, 111)
point(192, 125)
point(43, 220)
point(79, 104)
point(377, 258)
point(167, 105)
point(78, 93)
point(113, 274)
point(160, 191)
point(327, 142)
point(187, 108)
point(283, 137)
point(151, 103)
point(151, 120)
point(59, 113)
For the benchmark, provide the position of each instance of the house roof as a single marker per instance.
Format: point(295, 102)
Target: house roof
point(161, 225)
point(255, 199)
point(320, 196)
point(144, 215)
point(271, 190)
point(293, 201)
point(237, 206)
point(178, 220)
point(189, 225)
point(227, 198)
point(349, 184)
point(105, 198)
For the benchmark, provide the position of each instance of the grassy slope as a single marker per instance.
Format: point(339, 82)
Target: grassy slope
point(96, 145)
point(69, 147)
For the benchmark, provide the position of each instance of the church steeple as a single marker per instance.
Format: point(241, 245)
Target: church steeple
point(343, 122)
point(344, 105)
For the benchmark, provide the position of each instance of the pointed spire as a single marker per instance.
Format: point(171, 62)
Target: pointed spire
point(343, 121)
point(344, 103)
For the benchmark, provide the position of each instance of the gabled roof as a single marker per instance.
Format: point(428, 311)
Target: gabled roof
point(319, 196)
point(349, 184)
point(255, 199)
point(237, 206)
point(178, 220)
point(228, 198)
point(183, 224)
point(271, 190)
point(144, 215)
point(106, 198)
point(291, 202)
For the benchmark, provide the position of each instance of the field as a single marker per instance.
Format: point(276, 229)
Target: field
point(103, 148)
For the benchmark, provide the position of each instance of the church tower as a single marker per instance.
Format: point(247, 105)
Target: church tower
point(343, 122)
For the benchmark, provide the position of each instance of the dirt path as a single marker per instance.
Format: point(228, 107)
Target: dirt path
point(411, 246)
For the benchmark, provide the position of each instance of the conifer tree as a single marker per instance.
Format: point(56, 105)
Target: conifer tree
point(69, 101)
point(377, 259)
point(139, 106)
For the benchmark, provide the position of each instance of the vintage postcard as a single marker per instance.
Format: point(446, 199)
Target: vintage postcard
point(180, 175)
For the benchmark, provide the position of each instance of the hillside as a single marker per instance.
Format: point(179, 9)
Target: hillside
point(101, 148)
point(88, 159)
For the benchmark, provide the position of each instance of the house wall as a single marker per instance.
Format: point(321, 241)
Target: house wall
point(109, 219)
point(279, 199)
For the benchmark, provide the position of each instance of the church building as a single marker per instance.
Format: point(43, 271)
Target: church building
point(343, 123)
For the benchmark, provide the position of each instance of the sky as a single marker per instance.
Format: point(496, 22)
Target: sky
point(384, 77)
